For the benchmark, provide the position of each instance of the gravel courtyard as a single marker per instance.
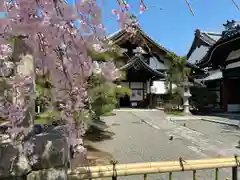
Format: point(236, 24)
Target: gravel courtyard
point(143, 136)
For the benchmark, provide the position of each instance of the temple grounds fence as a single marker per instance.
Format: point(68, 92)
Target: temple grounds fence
point(116, 170)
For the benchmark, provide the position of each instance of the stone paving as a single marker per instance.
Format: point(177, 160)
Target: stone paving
point(143, 136)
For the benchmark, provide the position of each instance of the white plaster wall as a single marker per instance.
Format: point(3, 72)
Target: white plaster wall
point(160, 87)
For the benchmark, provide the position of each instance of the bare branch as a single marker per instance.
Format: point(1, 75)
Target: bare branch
point(234, 2)
point(143, 4)
point(189, 6)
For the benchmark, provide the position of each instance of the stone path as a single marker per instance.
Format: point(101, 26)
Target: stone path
point(143, 136)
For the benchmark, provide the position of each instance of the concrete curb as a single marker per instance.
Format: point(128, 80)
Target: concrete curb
point(237, 124)
point(227, 122)
point(134, 110)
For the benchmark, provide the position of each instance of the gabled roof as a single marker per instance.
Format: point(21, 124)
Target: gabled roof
point(119, 35)
point(230, 35)
point(138, 59)
point(209, 38)
point(213, 75)
point(205, 39)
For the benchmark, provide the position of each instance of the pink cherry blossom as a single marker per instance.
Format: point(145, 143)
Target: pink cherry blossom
point(59, 51)
point(142, 9)
point(114, 12)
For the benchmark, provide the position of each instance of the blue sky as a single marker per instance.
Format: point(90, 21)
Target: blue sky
point(174, 26)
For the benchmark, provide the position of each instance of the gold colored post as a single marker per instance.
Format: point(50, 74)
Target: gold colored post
point(145, 176)
point(234, 173)
point(194, 175)
point(170, 176)
point(216, 174)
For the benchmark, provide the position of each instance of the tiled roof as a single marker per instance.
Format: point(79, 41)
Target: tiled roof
point(213, 75)
point(139, 60)
point(113, 34)
point(121, 32)
point(201, 39)
point(231, 33)
point(198, 54)
point(232, 28)
point(209, 37)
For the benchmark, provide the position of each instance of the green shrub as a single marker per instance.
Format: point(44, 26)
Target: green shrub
point(201, 98)
point(104, 95)
point(173, 100)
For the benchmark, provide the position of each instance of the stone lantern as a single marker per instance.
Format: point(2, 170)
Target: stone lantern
point(186, 95)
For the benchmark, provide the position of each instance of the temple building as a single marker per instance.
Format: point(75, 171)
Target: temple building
point(210, 76)
point(145, 63)
point(218, 55)
point(225, 55)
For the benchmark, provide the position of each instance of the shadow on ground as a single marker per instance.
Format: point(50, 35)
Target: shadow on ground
point(97, 132)
point(94, 157)
point(97, 157)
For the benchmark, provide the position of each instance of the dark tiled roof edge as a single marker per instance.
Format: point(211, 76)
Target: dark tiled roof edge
point(202, 38)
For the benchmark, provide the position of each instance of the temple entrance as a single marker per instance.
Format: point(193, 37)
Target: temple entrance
point(231, 99)
point(125, 101)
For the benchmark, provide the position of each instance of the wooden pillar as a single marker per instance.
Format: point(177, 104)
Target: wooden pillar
point(221, 93)
point(225, 95)
point(150, 100)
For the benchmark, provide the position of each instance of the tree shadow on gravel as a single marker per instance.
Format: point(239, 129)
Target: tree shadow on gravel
point(94, 157)
point(97, 156)
point(98, 133)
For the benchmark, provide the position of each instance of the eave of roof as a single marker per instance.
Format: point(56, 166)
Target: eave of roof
point(223, 41)
point(202, 38)
point(214, 75)
point(229, 35)
point(139, 59)
point(193, 66)
point(210, 37)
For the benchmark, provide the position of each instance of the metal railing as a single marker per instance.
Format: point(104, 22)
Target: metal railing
point(145, 168)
